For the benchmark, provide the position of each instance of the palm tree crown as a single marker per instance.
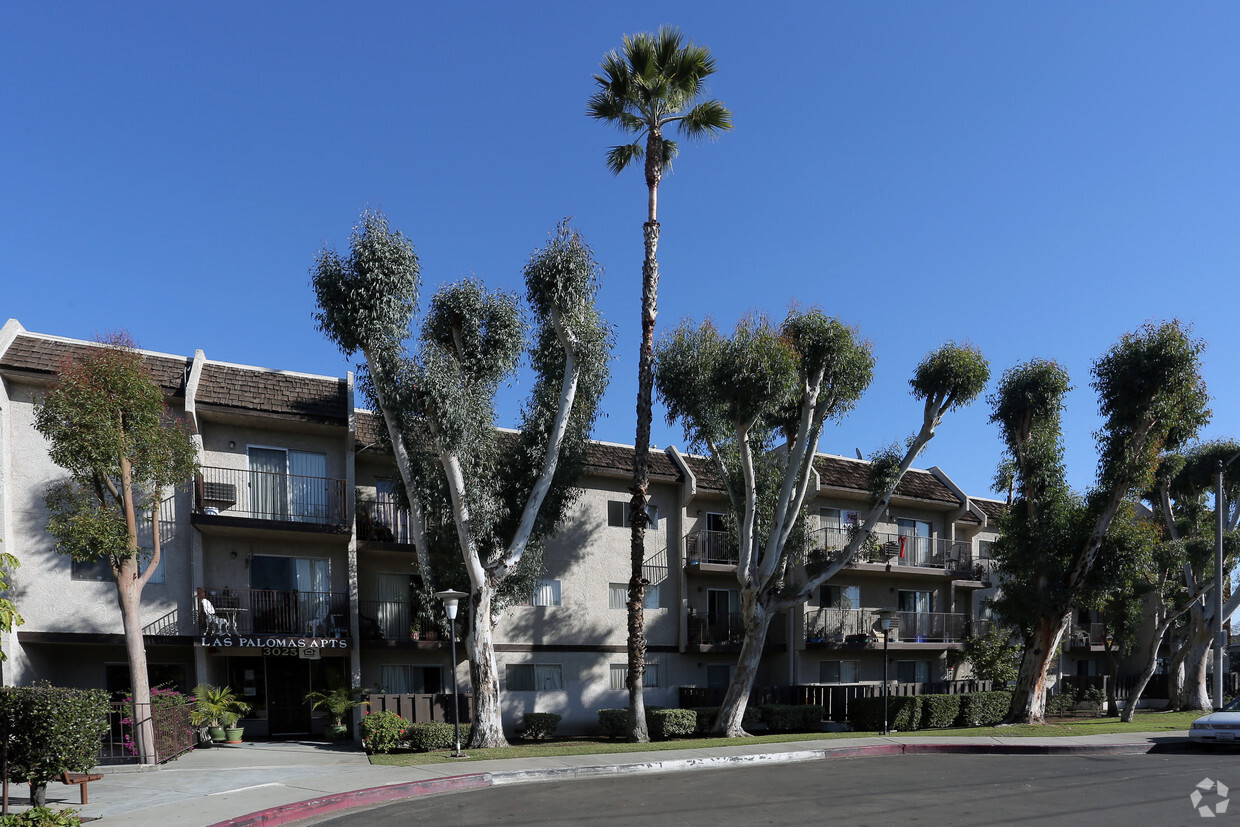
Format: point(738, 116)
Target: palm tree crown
point(653, 81)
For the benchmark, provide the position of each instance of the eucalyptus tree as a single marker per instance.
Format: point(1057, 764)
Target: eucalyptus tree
point(653, 83)
point(737, 395)
point(1052, 541)
point(108, 426)
point(497, 494)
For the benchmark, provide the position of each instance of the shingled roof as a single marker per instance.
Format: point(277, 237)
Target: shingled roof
point(44, 355)
point(611, 459)
point(839, 472)
point(315, 398)
point(992, 508)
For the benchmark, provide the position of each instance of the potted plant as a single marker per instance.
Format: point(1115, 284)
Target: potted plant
point(415, 630)
point(337, 702)
point(217, 709)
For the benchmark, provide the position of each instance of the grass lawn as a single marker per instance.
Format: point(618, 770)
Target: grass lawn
point(1144, 722)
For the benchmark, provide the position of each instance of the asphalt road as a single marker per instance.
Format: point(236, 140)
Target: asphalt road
point(1134, 791)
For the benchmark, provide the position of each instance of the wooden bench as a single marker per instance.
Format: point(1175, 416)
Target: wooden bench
point(81, 779)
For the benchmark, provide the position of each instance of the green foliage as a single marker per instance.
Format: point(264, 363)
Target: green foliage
point(992, 655)
point(953, 375)
point(431, 735)
point(939, 711)
point(983, 708)
point(903, 713)
point(664, 724)
point(336, 701)
point(791, 717)
point(217, 706)
point(42, 817)
point(614, 723)
point(706, 716)
point(51, 729)
point(383, 732)
point(9, 616)
point(655, 80)
point(537, 725)
point(1061, 704)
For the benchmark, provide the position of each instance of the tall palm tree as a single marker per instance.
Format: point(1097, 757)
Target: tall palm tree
point(652, 83)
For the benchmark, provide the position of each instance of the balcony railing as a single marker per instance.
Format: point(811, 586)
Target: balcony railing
point(710, 547)
point(271, 612)
point(263, 495)
point(382, 521)
point(1088, 634)
point(720, 628)
point(902, 550)
point(842, 626)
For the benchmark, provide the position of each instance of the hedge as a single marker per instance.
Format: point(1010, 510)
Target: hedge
point(432, 735)
point(706, 716)
point(670, 723)
point(903, 713)
point(382, 731)
point(983, 708)
point(791, 718)
point(939, 711)
point(614, 722)
point(51, 729)
point(540, 724)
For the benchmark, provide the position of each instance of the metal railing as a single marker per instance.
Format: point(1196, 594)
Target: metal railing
point(719, 628)
point(901, 549)
point(1087, 634)
point(833, 698)
point(174, 734)
point(843, 626)
point(263, 495)
point(710, 547)
point(382, 521)
point(271, 612)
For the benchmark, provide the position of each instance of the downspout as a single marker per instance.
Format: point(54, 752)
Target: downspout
point(688, 490)
point(350, 503)
point(197, 572)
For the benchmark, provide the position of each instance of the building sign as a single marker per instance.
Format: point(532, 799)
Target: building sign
point(258, 643)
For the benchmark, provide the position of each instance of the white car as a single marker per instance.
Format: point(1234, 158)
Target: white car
point(1222, 727)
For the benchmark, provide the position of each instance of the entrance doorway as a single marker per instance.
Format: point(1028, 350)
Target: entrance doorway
point(288, 683)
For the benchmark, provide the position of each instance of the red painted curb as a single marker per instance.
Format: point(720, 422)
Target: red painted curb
point(356, 798)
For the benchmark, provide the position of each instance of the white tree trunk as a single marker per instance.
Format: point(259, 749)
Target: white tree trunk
point(488, 723)
point(129, 598)
point(757, 621)
point(1029, 696)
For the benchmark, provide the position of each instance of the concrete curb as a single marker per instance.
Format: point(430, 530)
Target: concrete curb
point(372, 796)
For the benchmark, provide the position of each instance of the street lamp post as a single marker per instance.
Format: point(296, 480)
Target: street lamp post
point(886, 620)
point(1219, 525)
point(451, 598)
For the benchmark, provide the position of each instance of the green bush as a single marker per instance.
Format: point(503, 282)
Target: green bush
point(614, 722)
point(706, 716)
point(903, 713)
point(939, 711)
point(540, 724)
point(383, 732)
point(983, 708)
point(790, 717)
point(1061, 704)
point(51, 729)
point(670, 723)
point(42, 817)
point(432, 735)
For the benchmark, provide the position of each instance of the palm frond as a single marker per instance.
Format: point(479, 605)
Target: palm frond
point(619, 157)
point(670, 150)
point(604, 106)
point(706, 120)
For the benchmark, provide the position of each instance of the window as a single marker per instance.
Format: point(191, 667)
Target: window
point(914, 601)
point(718, 675)
point(99, 569)
point(834, 518)
point(913, 671)
point(288, 485)
point(618, 596)
point(983, 549)
point(716, 521)
point(403, 679)
point(620, 674)
point(837, 671)
point(546, 593)
point(535, 677)
point(915, 542)
point(618, 514)
point(841, 597)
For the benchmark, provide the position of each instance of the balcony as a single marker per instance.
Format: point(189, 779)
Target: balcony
point(251, 612)
point(1087, 636)
point(226, 496)
point(392, 620)
point(710, 548)
point(382, 521)
point(725, 631)
point(952, 556)
point(856, 628)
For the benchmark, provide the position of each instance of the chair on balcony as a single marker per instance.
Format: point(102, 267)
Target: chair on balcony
point(214, 622)
point(315, 626)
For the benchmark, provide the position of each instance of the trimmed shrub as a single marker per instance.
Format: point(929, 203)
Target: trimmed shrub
point(903, 713)
point(432, 735)
point(540, 724)
point(790, 717)
point(938, 711)
point(670, 723)
point(614, 722)
point(983, 708)
point(1061, 704)
point(706, 716)
point(383, 732)
point(51, 729)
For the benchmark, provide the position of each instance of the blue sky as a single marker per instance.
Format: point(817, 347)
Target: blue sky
point(1035, 179)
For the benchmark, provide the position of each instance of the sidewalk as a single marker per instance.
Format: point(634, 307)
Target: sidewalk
point(281, 782)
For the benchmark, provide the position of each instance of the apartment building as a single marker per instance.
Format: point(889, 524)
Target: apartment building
point(288, 564)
